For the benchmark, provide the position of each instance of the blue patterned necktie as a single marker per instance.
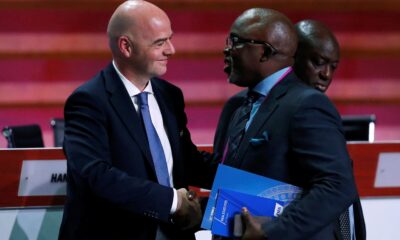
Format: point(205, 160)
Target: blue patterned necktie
point(344, 221)
point(157, 152)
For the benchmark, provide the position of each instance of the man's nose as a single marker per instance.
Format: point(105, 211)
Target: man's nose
point(326, 73)
point(170, 49)
point(227, 51)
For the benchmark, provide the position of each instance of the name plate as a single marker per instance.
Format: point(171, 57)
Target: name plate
point(387, 172)
point(43, 178)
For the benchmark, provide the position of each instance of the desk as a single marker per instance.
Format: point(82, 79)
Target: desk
point(365, 157)
point(39, 217)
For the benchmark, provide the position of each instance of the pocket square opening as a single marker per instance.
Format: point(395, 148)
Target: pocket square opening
point(259, 140)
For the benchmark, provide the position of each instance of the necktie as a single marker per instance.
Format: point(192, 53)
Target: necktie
point(344, 221)
point(157, 152)
point(238, 129)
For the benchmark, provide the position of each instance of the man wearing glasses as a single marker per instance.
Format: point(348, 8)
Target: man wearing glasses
point(282, 129)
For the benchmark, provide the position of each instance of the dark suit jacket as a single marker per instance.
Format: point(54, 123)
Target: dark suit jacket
point(112, 188)
point(305, 146)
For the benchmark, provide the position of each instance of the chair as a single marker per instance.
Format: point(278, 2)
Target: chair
point(58, 126)
point(23, 136)
point(359, 127)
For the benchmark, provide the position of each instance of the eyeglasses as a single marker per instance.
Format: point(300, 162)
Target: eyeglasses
point(233, 41)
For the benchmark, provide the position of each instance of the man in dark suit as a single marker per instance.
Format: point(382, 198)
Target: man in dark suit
point(126, 141)
point(317, 57)
point(291, 133)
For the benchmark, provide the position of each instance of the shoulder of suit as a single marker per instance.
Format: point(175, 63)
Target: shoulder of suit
point(164, 84)
point(299, 93)
point(307, 96)
point(236, 100)
point(298, 87)
point(91, 85)
point(239, 96)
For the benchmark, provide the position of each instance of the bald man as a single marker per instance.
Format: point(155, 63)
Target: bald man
point(318, 54)
point(317, 58)
point(282, 129)
point(126, 141)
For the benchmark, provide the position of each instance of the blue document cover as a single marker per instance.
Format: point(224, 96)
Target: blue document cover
point(231, 202)
point(249, 183)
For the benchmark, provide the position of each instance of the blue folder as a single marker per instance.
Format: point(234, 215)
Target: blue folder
point(248, 183)
point(229, 203)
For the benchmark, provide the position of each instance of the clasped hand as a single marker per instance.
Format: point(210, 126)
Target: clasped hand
point(188, 213)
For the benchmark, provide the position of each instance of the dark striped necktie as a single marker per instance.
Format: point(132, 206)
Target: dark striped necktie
point(238, 128)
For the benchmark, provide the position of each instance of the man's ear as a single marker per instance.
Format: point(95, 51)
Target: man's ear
point(264, 58)
point(266, 54)
point(125, 46)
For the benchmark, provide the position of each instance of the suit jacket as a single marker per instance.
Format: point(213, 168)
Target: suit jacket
point(112, 190)
point(299, 140)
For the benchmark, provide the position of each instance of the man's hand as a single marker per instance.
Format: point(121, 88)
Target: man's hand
point(188, 212)
point(252, 226)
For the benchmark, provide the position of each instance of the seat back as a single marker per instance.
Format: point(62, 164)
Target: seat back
point(359, 127)
point(24, 136)
point(58, 126)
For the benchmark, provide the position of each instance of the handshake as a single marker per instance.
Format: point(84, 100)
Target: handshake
point(188, 212)
point(188, 216)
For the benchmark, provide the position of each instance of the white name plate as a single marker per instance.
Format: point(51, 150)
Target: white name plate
point(387, 172)
point(43, 178)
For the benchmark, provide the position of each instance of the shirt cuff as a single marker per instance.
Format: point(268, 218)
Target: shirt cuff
point(174, 202)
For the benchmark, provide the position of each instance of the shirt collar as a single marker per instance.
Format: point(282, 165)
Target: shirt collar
point(269, 82)
point(130, 87)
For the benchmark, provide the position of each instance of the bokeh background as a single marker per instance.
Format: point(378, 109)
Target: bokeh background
point(49, 47)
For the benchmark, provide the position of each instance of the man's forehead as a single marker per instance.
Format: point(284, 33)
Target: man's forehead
point(326, 52)
point(325, 44)
point(154, 28)
point(249, 29)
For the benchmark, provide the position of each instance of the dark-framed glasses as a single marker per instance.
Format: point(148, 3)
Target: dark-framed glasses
point(234, 41)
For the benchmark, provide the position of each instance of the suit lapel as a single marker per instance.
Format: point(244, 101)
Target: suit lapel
point(267, 108)
point(122, 103)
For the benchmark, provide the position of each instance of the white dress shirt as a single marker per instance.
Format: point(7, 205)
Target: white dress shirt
point(157, 120)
